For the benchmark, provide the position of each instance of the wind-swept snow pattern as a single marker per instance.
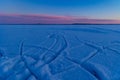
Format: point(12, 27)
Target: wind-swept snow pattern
point(59, 52)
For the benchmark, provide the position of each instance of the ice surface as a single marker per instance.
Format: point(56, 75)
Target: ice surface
point(59, 52)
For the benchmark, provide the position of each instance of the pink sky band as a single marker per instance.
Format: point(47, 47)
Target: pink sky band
point(48, 19)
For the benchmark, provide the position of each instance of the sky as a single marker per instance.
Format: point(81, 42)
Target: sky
point(59, 11)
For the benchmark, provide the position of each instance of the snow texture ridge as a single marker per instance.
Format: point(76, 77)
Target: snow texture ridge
point(67, 54)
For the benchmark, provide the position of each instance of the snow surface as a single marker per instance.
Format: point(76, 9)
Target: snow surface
point(59, 52)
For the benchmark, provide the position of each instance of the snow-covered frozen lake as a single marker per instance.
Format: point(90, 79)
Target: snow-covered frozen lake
point(60, 52)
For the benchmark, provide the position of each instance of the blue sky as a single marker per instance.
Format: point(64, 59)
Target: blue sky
point(86, 8)
point(95, 9)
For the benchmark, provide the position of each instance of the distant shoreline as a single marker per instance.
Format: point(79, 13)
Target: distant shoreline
point(59, 24)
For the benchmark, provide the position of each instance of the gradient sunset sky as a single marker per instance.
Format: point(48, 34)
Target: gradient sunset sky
point(59, 11)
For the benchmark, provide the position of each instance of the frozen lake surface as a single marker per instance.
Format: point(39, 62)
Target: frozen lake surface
point(59, 52)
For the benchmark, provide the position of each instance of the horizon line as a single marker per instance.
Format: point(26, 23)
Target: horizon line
point(51, 19)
